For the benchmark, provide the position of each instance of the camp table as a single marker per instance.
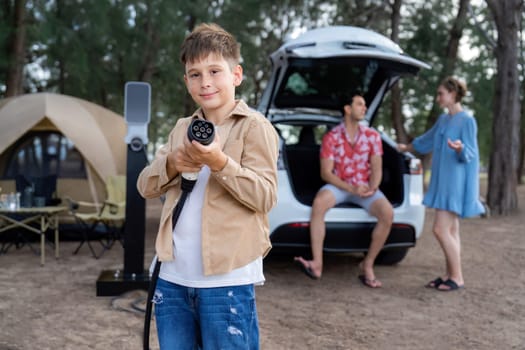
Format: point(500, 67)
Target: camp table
point(35, 219)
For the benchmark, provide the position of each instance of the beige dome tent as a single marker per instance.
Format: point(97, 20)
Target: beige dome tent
point(97, 133)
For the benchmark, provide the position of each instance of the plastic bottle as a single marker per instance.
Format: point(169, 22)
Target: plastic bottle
point(27, 200)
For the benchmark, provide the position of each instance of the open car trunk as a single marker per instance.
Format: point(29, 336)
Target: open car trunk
point(305, 176)
point(312, 77)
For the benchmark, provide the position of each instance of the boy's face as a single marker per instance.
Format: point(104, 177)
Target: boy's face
point(211, 83)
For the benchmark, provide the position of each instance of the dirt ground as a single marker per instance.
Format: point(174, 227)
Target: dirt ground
point(56, 307)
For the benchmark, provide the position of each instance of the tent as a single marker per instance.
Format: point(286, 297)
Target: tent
point(96, 132)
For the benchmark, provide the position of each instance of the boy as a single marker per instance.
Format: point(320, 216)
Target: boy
point(212, 259)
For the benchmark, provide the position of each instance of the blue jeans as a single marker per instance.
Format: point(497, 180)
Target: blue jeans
point(205, 318)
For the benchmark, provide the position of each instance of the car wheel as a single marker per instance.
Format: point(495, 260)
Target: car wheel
point(391, 256)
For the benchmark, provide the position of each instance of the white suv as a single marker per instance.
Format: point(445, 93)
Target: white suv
point(311, 75)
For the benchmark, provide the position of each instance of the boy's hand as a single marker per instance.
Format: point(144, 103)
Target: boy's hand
point(179, 161)
point(211, 155)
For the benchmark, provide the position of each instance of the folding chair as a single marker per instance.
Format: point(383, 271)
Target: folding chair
point(103, 222)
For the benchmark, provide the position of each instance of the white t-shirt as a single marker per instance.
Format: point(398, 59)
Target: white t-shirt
point(186, 269)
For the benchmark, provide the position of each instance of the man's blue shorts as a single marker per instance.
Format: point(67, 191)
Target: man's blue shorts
point(342, 196)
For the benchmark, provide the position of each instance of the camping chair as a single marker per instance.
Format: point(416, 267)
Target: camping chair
point(104, 221)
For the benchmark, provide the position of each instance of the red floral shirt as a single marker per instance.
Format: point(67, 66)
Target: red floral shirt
point(351, 161)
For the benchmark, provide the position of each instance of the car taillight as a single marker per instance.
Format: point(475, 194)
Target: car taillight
point(299, 224)
point(415, 167)
point(401, 226)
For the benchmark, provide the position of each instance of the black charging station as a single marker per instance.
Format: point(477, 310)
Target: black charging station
point(137, 99)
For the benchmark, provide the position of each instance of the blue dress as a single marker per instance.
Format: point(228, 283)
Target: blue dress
point(454, 181)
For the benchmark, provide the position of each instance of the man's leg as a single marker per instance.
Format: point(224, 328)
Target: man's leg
point(323, 201)
point(382, 210)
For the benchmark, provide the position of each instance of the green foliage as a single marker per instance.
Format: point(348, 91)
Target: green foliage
point(5, 30)
point(425, 36)
point(91, 48)
point(479, 73)
point(3, 69)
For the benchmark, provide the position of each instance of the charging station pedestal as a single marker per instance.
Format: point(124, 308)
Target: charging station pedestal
point(137, 114)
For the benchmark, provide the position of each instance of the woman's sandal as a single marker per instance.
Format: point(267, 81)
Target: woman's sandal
point(435, 283)
point(451, 286)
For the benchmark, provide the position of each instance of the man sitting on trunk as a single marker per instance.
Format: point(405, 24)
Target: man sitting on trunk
point(351, 166)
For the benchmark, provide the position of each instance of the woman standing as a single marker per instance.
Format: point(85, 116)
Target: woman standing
point(454, 182)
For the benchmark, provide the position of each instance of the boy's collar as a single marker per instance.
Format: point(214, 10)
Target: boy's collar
point(240, 109)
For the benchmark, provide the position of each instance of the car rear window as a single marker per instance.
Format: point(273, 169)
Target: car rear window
point(295, 134)
point(327, 83)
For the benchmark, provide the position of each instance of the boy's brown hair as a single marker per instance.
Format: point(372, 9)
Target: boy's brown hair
point(209, 38)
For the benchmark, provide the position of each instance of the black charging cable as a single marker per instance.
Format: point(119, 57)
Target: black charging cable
point(203, 132)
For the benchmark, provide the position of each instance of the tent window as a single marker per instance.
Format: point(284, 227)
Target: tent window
point(45, 153)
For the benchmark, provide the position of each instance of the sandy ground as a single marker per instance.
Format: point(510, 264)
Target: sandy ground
point(56, 307)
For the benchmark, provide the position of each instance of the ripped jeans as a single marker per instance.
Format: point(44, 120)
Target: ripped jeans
point(205, 318)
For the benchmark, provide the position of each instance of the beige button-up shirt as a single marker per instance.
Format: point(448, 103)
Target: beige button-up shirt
point(235, 229)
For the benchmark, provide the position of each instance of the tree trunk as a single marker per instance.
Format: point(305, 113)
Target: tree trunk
point(61, 62)
point(451, 57)
point(148, 66)
point(451, 54)
point(521, 164)
point(189, 104)
point(502, 197)
point(395, 105)
point(14, 79)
